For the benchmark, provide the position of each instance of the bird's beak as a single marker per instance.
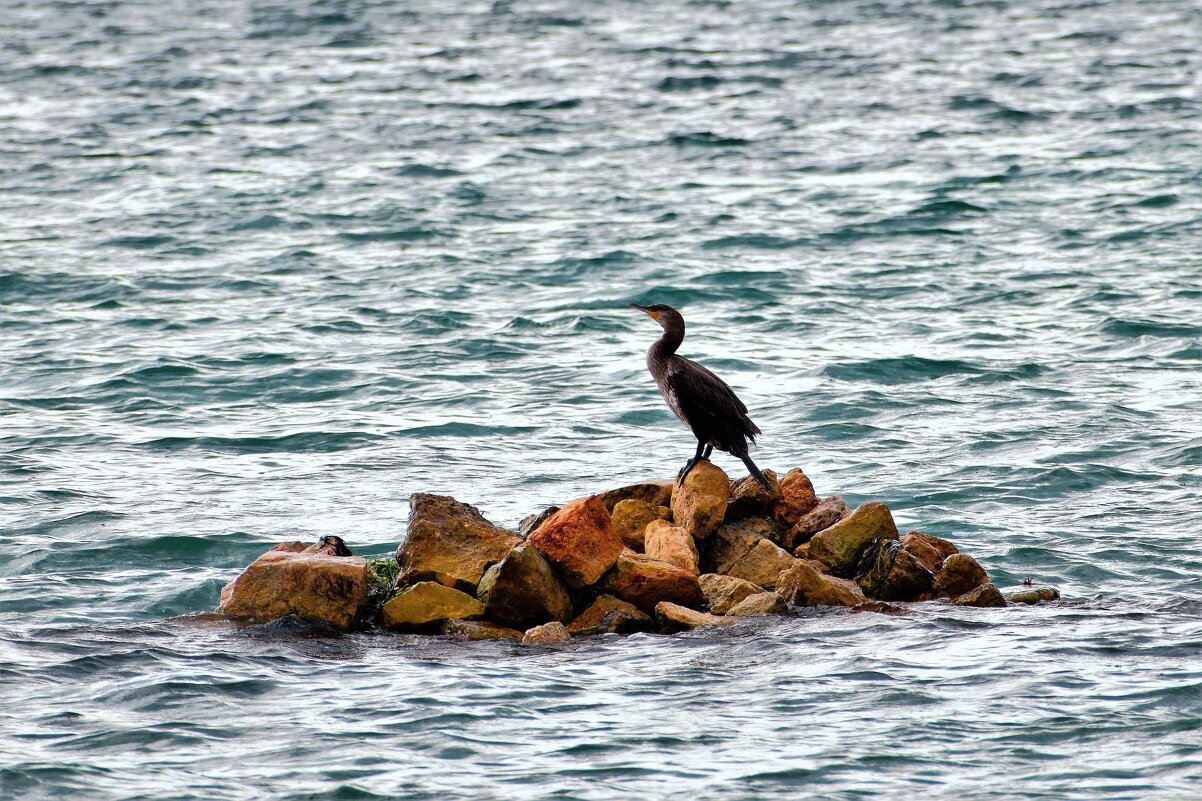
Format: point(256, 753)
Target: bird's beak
point(644, 310)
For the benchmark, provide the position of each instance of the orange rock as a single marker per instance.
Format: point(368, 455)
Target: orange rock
point(630, 519)
point(644, 582)
point(762, 603)
point(804, 584)
point(671, 544)
point(294, 546)
point(732, 541)
point(674, 617)
point(609, 615)
point(315, 587)
point(450, 542)
point(928, 549)
point(797, 498)
point(580, 540)
point(723, 593)
point(827, 513)
point(699, 504)
point(547, 633)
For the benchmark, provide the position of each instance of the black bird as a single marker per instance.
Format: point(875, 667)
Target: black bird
point(703, 402)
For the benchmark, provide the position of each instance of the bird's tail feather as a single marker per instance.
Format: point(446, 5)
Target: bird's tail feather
point(755, 471)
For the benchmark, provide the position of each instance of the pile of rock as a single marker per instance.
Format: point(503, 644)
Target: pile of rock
point(656, 556)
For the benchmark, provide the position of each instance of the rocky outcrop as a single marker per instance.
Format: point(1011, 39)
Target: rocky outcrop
point(610, 615)
point(655, 493)
point(888, 572)
point(797, 499)
point(449, 542)
point(674, 617)
point(748, 498)
point(731, 542)
point(722, 593)
point(479, 630)
point(323, 589)
point(671, 544)
point(960, 574)
point(985, 595)
point(825, 514)
point(928, 549)
point(644, 582)
point(1034, 595)
point(547, 633)
point(804, 584)
point(631, 517)
point(580, 541)
point(699, 504)
point(427, 605)
point(522, 591)
point(762, 564)
point(841, 546)
point(762, 603)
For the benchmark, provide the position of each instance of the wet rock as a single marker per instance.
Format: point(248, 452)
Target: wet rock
point(804, 584)
point(547, 633)
point(671, 544)
point(763, 564)
point(531, 522)
point(699, 504)
point(479, 630)
point(314, 587)
point(330, 545)
point(797, 499)
point(654, 493)
point(825, 514)
point(930, 550)
point(610, 615)
point(960, 574)
point(674, 617)
point(731, 542)
point(1034, 595)
point(762, 603)
point(630, 520)
point(580, 540)
point(749, 499)
point(426, 605)
point(722, 593)
point(644, 582)
point(985, 595)
point(522, 591)
point(888, 572)
point(295, 546)
point(449, 542)
point(841, 546)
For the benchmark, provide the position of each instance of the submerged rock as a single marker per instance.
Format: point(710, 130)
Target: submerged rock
point(841, 546)
point(674, 617)
point(631, 518)
point(314, 587)
point(825, 514)
point(547, 633)
point(1034, 595)
point(479, 630)
point(930, 550)
point(655, 493)
point(450, 542)
point(522, 591)
point(610, 615)
point(426, 604)
point(804, 584)
point(960, 574)
point(749, 499)
point(985, 595)
point(797, 499)
point(888, 572)
point(644, 582)
point(673, 545)
point(731, 542)
point(762, 603)
point(580, 540)
point(699, 504)
point(762, 564)
point(722, 593)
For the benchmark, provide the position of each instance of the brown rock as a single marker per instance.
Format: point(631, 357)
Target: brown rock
point(580, 540)
point(804, 584)
point(984, 595)
point(723, 592)
point(930, 550)
point(609, 615)
point(827, 513)
point(802, 551)
point(732, 541)
point(762, 564)
point(1034, 596)
point(888, 572)
point(749, 499)
point(479, 630)
point(699, 504)
point(797, 499)
point(295, 546)
point(960, 574)
point(672, 544)
point(522, 590)
point(531, 522)
point(330, 546)
point(315, 587)
point(630, 519)
point(762, 603)
point(449, 542)
point(655, 493)
point(644, 582)
point(841, 546)
point(547, 633)
point(673, 617)
point(425, 604)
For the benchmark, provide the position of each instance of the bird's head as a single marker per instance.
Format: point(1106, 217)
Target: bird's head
point(666, 316)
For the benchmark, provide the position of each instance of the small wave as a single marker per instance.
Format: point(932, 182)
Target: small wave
point(705, 139)
point(427, 171)
point(1148, 328)
point(304, 442)
point(901, 370)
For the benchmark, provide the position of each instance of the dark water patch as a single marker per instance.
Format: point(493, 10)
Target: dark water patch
point(900, 370)
point(301, 442)
point(427, 171)
point(705, 139)
point(1131, 328)
point(755, 241)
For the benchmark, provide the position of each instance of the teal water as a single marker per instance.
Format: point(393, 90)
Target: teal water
point(266, 268)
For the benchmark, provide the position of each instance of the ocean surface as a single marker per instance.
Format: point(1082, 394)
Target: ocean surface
point(268, 267)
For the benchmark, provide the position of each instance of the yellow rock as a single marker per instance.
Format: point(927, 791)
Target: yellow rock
point(425, 604)
point(630, 520)
point(671, 544)
point(315, 587)
point(699, 504)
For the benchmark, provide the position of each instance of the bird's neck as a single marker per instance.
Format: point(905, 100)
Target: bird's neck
point(665, 346)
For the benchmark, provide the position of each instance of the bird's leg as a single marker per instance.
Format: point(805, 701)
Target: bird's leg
point(708, 450)
point(691, 463)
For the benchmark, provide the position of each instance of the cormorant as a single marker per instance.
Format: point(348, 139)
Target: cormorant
point(702, 401)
